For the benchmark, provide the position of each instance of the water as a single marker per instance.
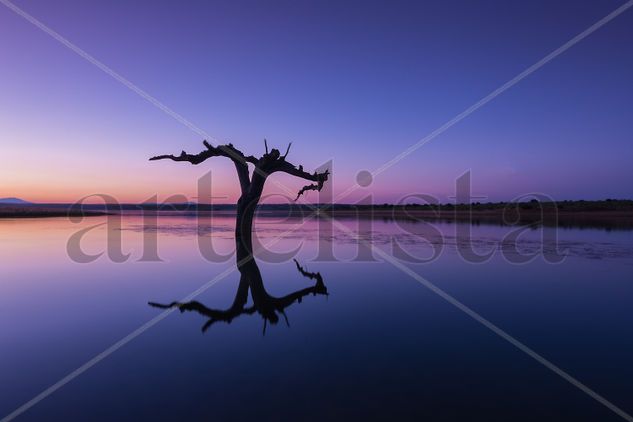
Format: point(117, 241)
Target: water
point(379, 345)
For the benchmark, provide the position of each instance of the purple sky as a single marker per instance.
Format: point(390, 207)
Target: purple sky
point(355, 82)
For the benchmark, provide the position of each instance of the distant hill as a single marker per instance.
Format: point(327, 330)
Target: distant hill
point(14, 201)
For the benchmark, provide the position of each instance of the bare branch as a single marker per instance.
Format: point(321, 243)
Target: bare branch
point(192, 158)
point(271, 162)
point(286, 167)
point(304, 272)
point(313, 186)
point(228, 151)
point(287, 150)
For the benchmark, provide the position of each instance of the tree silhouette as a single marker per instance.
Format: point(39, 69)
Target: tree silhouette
point(266, 305)
point(251, 185)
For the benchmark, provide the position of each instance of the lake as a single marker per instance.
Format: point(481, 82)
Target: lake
point(351, 337)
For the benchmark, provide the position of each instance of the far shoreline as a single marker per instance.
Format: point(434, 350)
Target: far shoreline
point(12, 211)
point(609, 214)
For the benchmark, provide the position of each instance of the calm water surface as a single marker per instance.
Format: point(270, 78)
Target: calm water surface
point(378, 346)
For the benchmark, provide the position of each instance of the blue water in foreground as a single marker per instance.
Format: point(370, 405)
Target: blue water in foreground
point(379, 346)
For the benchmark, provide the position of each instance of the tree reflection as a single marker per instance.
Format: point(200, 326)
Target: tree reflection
point(268, 306)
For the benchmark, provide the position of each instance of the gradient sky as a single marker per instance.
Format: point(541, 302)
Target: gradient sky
point(355, 82)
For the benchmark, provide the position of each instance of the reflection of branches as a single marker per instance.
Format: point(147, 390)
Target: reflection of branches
point(311, 276)
point(228, 315)
point(263, 303)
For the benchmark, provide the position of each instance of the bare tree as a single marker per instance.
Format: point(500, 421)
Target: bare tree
point(252, 184)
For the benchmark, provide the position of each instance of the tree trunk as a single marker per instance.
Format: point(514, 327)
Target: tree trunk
point(246, 208)
point(251, 186)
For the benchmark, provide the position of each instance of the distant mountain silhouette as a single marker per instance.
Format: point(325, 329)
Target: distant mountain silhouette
point(14, 201)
